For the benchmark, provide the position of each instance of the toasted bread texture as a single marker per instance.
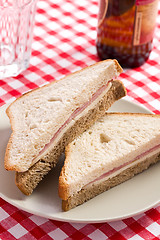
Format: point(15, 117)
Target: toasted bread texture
point(114, 149)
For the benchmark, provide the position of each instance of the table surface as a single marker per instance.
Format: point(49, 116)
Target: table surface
point(64, 41)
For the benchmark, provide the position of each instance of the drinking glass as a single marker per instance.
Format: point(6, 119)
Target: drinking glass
point(16, 30)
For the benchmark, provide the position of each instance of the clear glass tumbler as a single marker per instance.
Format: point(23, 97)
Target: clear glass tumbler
point(16, 30)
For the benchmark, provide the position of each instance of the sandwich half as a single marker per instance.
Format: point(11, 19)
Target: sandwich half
point(45, 120)
point(117, 147)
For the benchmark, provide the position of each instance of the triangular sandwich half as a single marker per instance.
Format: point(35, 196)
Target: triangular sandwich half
point(117, 147)
point(45, 120)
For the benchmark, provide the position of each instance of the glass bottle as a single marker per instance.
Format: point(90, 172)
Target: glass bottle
point(125, 30)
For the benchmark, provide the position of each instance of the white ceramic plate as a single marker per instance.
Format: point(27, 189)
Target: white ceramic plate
point(128, 199)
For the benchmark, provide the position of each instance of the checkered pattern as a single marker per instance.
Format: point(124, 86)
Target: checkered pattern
point(64, 41)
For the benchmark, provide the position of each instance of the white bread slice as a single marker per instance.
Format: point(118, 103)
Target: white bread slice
point(38, 115)
point(27, 181)
point(114, 149)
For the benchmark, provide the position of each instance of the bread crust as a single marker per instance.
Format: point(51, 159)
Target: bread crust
point(95, 189)
point(64, 188)
point(28, 180)
point(118, 68)
point(7, 164)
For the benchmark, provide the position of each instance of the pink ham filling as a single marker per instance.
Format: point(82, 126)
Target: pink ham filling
point(73, 115)
point(125, 164)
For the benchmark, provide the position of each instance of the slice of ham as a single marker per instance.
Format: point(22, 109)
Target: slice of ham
point(142, 155)
point(73, 116)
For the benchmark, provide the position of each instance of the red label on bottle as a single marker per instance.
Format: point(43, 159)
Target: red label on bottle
point(143, 2)
point(145, 18)
point(131, 25)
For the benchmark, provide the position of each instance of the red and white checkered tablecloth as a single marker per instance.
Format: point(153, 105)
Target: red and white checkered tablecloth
point(64, 41)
